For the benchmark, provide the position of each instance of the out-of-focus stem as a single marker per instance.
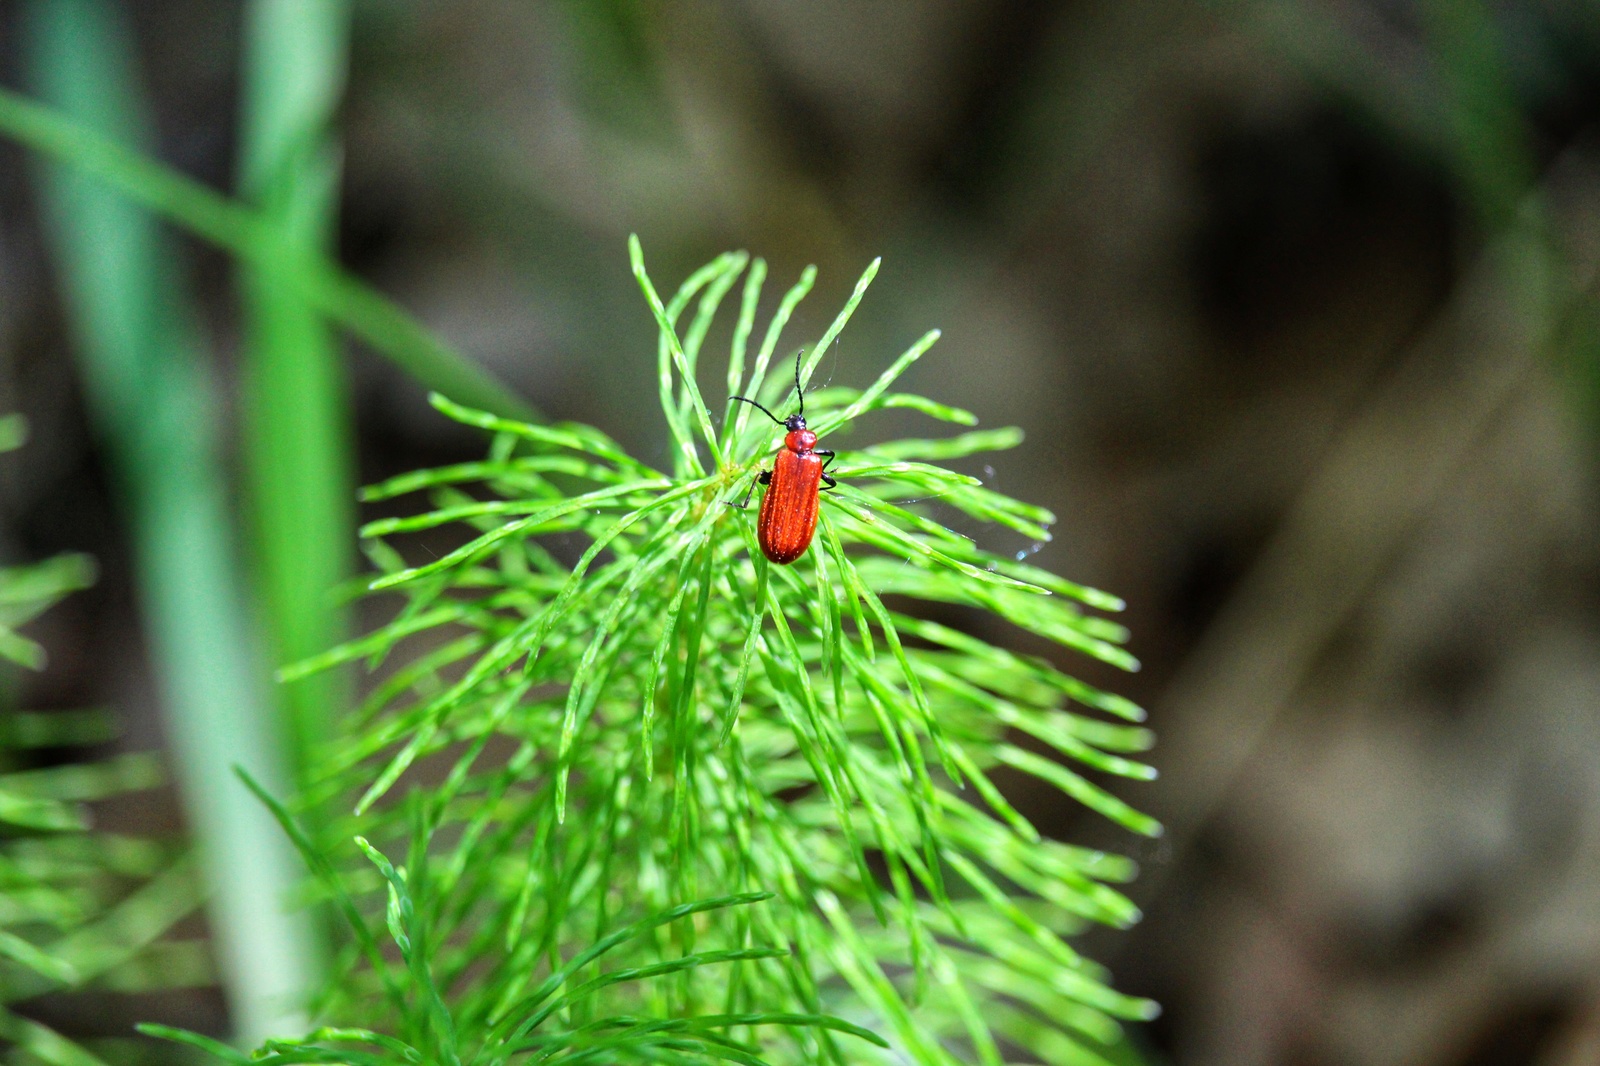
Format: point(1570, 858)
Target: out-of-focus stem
point(154, 405)
point(301, 478)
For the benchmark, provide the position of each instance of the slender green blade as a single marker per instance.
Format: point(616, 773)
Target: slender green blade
point(300, 466)
point(344, 298)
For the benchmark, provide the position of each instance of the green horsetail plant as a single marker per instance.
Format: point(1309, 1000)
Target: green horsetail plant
point(662, 801)
point(78, 908)
point(82, 909)
point(28, 591)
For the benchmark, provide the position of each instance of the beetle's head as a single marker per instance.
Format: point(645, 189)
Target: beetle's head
point(794, 422)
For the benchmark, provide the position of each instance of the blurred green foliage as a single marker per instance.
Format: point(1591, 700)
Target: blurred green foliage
point(78, 909)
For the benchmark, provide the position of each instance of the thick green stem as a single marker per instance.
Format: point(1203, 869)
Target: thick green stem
point(299, 465)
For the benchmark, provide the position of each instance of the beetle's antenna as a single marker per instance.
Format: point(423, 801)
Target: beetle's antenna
point(801, 392)
point(763, 410)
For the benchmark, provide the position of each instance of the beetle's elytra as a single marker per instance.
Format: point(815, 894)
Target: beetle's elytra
point(788, 517)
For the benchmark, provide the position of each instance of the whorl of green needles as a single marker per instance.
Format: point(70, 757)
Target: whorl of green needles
point(623, 791)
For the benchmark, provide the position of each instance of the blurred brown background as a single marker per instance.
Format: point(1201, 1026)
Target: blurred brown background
point(1292, 300)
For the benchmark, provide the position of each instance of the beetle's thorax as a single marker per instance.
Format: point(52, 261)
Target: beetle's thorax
point(800, 440)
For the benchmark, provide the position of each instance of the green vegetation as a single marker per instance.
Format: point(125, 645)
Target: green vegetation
point(666, 802)
point(78, 909)
point(621, 790)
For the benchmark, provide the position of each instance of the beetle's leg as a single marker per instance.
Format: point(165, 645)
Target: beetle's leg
point(764, 479)
point(832, 483)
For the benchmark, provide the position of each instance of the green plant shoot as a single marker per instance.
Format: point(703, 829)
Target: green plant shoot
point(660, 801)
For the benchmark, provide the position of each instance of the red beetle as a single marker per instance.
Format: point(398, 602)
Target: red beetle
point(789, 509)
